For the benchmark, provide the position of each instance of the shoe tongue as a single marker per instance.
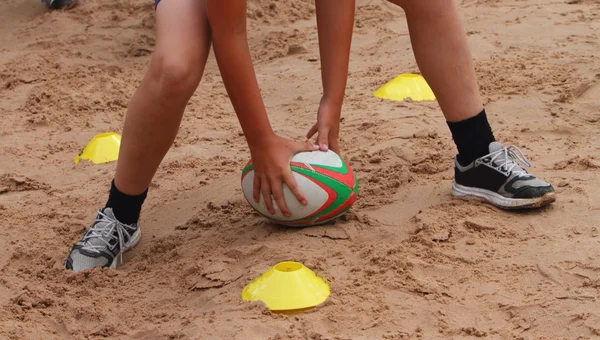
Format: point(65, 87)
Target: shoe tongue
point(502, 158)
point(495, 147)
point(103, 221)
point(108, 212)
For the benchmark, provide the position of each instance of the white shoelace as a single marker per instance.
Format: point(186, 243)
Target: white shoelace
point(103, 230)
point(508, 160)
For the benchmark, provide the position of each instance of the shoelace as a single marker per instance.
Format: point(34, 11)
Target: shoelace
point(103, 229)
point(511, 156)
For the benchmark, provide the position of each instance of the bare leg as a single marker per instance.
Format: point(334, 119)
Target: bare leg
point(443, 55)
point(155, 112)
point(153, 118)
point(444, 58)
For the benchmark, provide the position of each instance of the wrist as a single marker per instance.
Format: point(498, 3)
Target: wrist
point(334, 101)
point(260, 139)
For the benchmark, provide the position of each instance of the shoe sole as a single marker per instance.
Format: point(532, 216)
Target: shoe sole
point(135, 239)
point(494, 198)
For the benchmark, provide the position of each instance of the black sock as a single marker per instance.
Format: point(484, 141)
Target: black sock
point(472, 137)
point(125, 207)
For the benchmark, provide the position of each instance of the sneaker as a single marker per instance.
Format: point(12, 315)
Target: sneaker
point(106, 240)
point(499, 179)
point(60, 4)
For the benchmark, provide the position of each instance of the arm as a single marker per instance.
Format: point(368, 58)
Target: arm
point(228, 25)
point(271, 154)
point(335, 21)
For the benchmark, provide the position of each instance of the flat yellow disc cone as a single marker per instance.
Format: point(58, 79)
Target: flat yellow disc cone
point(287, 286)
point(406, 86)
point(103, 148)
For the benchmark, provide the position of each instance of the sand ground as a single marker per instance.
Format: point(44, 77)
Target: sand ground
point(408, 262)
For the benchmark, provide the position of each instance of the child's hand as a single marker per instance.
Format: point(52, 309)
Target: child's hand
point(271, 158)
point(327, 127)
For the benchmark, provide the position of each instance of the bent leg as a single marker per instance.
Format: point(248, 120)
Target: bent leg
point(153, 118)
point(155, 112)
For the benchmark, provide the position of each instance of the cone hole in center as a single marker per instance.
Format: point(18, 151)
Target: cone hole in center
point(288, 267)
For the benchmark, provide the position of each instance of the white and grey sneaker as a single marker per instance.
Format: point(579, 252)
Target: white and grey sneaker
point(106, 240)
point(499, 179)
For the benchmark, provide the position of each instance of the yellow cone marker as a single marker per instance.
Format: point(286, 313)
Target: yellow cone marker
point(103, 148)
point(406, 86)
point(287, 286)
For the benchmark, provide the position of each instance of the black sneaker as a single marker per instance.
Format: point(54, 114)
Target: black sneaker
point(498, 179)
point(60, 4)
point(101, 245)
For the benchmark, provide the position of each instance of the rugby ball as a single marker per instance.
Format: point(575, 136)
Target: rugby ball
point(325, 179)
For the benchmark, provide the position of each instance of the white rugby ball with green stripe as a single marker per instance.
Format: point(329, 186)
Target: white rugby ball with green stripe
point(325, 179)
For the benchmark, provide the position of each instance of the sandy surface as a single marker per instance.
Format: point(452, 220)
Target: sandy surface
point(408, 261)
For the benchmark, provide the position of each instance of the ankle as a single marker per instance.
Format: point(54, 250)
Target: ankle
point(126, 208)
point(472, 137)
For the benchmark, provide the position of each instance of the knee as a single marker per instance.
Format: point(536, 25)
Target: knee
point(174, 75)
point(423, 6)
